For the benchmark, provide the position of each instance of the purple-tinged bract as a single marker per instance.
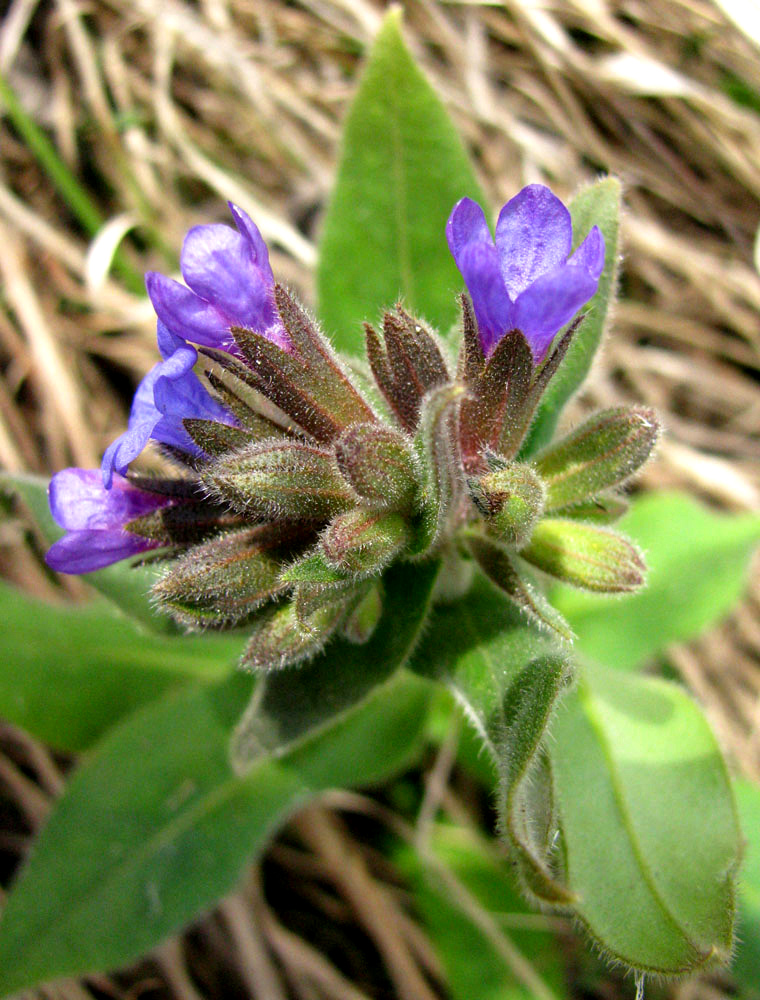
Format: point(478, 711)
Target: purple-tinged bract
point(94, 518)
point(525, 279)
point(228, 283)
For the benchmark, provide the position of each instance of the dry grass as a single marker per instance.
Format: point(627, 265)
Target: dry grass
point(163, 110)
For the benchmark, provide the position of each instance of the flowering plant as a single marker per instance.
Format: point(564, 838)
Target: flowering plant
point(369, 530)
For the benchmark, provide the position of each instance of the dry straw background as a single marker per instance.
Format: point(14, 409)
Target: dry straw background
point(164, 109)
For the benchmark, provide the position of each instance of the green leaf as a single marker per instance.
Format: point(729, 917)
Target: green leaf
point(597, 205)
point(698, 563)
point(155, 826)
point(746, 964)
point(402, 170)
point(67, 673)
point(508, 677)
point(457, 937)
point(291, 703)
point(125, 585)
point(650, 833)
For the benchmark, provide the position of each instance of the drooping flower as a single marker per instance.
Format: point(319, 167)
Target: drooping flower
point(94, 518)
point(526, 279)
point(228, 283)
point(168, 394)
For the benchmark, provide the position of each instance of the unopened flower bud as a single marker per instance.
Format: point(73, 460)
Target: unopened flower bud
point(362, 542)
point(511, 499)
point(221, 582)
point(586, 556)
point(604, 451)
point(278, 641)
point(377, 463)
point(279, 479)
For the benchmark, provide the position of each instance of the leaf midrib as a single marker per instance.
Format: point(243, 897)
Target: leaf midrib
point(587, 698)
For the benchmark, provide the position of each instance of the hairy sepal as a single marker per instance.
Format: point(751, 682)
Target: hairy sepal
point(438, 460)
point(406, 365)
point(308, 382)
point(509, 574)
point(511, 498)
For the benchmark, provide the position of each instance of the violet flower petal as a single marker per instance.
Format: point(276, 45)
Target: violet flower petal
point(80, 502)
point(143, 417)
point(551, 301)
point(479, 264)
point(467, 224)
point(590, 254)
point(220, 265)
point(534, 235)
point(187, 315)
point(86, 551)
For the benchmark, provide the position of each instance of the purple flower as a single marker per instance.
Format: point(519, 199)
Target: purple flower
point(94, 519)
point(526, 279)
point(169, 393)
point(229, 283)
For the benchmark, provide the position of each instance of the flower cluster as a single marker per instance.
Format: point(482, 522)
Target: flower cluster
point(295, 486)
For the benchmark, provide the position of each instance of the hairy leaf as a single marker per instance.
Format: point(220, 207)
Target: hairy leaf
point(508, 677)
point(68, 673)
point(650, 836)
point(155, 826)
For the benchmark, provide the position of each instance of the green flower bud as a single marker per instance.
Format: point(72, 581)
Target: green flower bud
point(362, 542)
point(511, 498)
point(279, 479)
point(278, 639)
point(604, 451)
point(586, 556)
point(377, 463)
point(223, 581)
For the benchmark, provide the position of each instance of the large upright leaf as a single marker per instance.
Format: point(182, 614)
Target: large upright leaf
point(402, 170)
point(155, 826)
point(597, 205)
point(649, 828)
point(292, 703)
point(67, 673)
point(698, 564)
point(125, 585)
point(508, 677)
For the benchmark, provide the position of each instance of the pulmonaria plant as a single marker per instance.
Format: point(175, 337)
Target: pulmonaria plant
point(298, 483)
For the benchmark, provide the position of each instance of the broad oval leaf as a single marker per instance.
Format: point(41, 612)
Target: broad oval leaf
point(650, 835)
point(698, 563)
point(402, 169)
point(79, 669)
point(597, 205)
point(508, 677)
point(155, 826)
